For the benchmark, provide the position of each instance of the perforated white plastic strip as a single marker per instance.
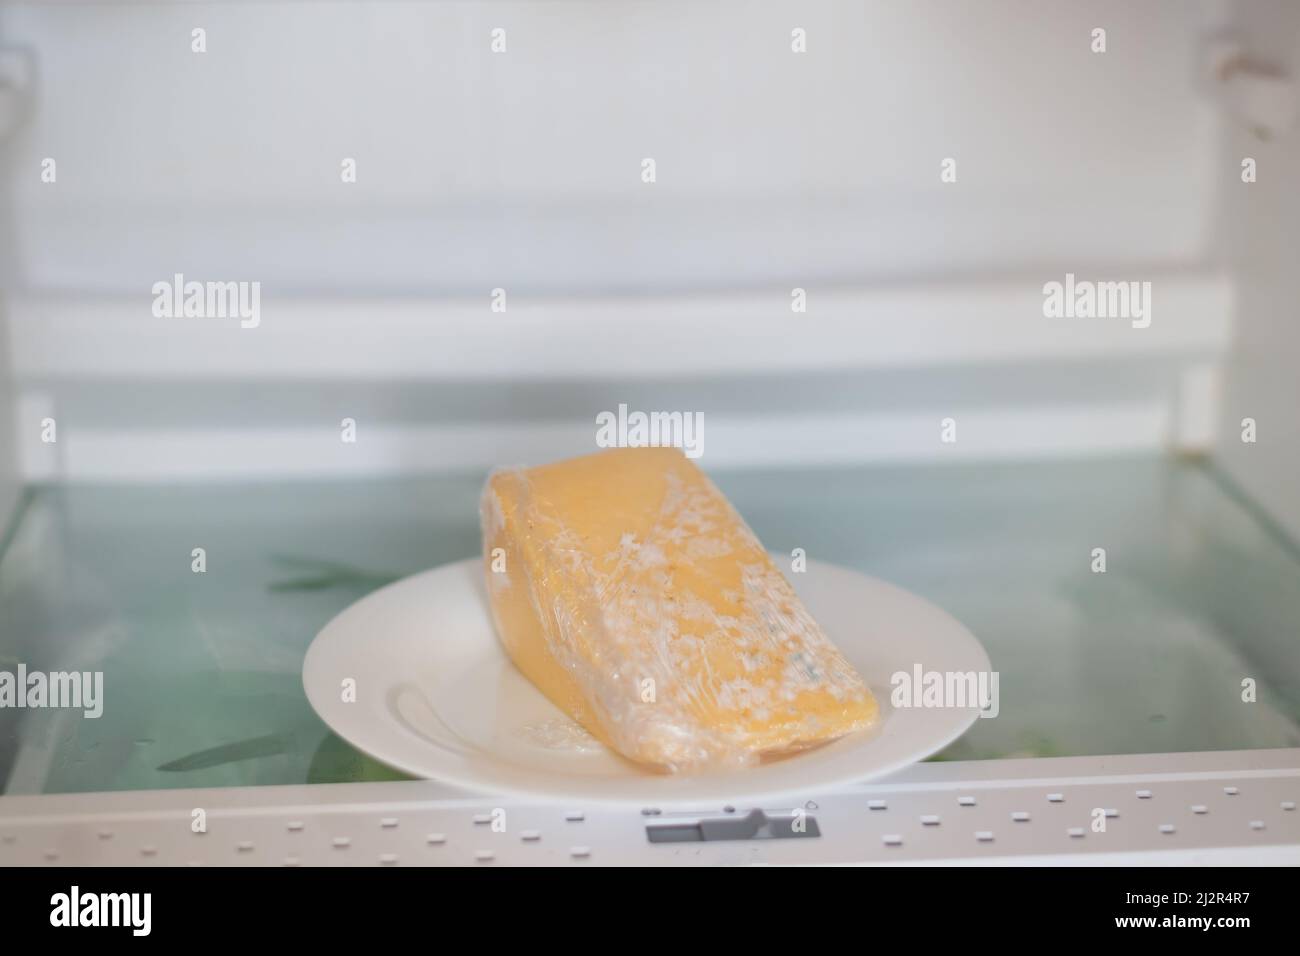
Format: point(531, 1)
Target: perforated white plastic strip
point(1238, 807)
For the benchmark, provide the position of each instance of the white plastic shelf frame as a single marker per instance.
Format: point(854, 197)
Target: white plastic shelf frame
point(1238, 807)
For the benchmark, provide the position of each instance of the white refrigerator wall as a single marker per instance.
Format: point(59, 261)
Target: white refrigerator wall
point(523, 171)
point(1259, 441)
point(11, 477)
point(523, 168)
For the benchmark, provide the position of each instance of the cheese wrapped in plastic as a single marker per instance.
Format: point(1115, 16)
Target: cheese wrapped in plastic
point(629, 591)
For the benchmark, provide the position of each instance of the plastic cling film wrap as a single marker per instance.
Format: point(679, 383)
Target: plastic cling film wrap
point(630, 592)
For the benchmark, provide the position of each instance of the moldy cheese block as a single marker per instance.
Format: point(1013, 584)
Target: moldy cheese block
point(632, 594)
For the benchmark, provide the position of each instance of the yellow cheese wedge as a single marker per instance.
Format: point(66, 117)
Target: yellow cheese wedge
point(629, 591)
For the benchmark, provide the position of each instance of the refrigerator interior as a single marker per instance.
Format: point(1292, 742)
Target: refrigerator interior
point(482, 178)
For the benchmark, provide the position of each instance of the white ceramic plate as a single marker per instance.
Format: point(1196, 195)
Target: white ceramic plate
point(436, 696)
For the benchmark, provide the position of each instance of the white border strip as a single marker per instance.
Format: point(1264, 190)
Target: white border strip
point(129, 454)
point(654, 336)
point(151, 826)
